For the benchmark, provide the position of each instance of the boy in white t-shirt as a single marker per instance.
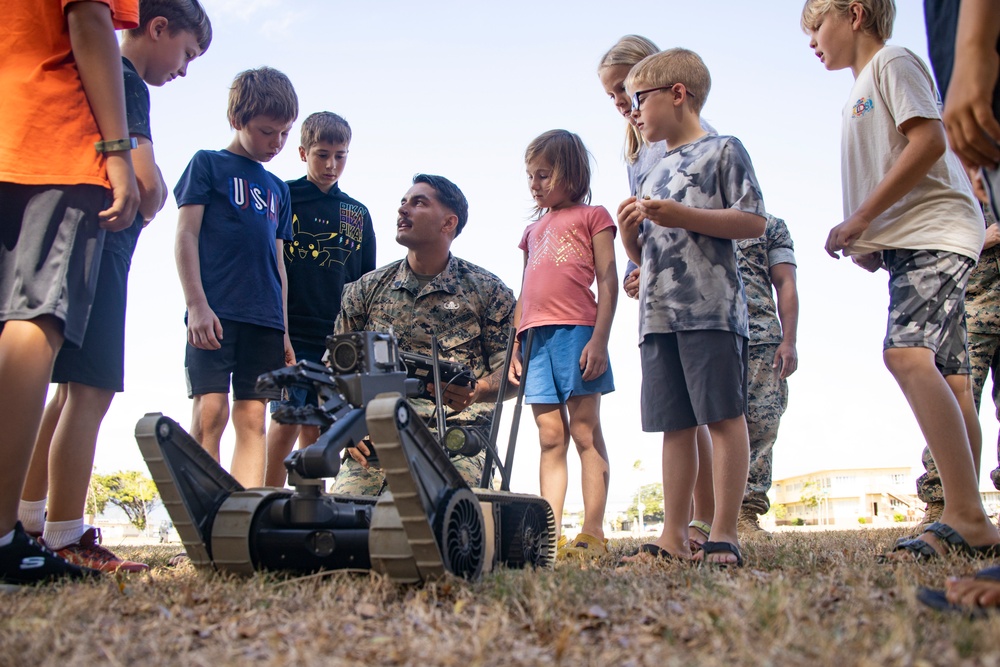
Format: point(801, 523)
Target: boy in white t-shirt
point(910, 210)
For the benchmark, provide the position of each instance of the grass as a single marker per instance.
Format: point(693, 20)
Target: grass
point(803, 599)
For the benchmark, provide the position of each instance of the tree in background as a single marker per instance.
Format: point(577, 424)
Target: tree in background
point(130, 490)
point(97, 498)
point(651, 496)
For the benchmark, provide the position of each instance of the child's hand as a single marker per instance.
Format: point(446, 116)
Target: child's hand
point(289, 352)
point(514, 372)
point(204, 328)
point(125, 194)
point(871, 261)
point(631, 285)
point(658, 211)
point(593, 360)
point(628, 217)
point(973, 130)
point(844, 234)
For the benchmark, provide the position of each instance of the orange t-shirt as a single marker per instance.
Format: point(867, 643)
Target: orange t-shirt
point(47, 130)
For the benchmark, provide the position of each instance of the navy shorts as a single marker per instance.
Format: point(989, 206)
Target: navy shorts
point(298, 397)
point(50, 251)
point(100, 360)
point(248, 351)
point(691, 378)
point(554, 373)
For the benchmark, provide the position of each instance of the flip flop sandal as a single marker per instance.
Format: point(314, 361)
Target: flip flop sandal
point(703, 528)
point(656, 551)
point(718, 548)
point(936, 599)
point(949, 539)
point(586, 546)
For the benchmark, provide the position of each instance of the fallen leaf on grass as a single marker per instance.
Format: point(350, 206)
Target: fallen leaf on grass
point(366, 610)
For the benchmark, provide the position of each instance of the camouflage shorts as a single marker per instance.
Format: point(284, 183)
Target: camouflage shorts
point(355, 480)
point(927, 305)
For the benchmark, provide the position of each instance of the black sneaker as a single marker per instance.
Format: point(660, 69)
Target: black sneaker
point(24, 562)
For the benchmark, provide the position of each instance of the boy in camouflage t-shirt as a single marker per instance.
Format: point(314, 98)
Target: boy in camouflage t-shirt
point(692, 308)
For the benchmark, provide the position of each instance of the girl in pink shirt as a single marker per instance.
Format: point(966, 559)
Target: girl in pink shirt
point(569, 244)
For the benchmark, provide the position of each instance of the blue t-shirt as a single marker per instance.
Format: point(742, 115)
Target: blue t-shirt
point(246, 210)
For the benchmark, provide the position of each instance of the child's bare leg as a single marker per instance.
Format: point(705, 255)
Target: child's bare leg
point(961, 387)
point(704, 491)
point(943, 425)
point(249, 456)
point(680, 468)
point(210, 414)
point(27, 351)
point(585, 428)
point(36, 485)
point(280, 440)
point(553, 436)
point(71, 456)
point(731, 464)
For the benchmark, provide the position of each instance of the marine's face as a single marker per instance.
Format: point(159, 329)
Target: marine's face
point(421, 217)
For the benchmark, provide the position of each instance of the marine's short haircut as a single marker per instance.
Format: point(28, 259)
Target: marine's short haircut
point(262, 92)
point(569, 159)
point(324, 126)
point(673, 66)
point(449, 196)
point(181, 15)
point(879, 15)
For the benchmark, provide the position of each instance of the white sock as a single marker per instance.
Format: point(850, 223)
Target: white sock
point(7, 539)
point(31, 514)
point(59, 534)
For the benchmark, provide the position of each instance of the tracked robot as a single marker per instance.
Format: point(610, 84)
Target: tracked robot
point(428, 521)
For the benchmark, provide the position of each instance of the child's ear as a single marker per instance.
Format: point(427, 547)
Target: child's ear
point(157, 27)
point(302, 153)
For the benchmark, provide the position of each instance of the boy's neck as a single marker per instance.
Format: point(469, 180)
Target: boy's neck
point(865, 49)
point(236, 148)
point(325, 189)
point(688, 131)
point(131, 49)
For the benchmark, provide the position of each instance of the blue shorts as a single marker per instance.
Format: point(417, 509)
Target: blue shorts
point(298, 397)
point(554, 373)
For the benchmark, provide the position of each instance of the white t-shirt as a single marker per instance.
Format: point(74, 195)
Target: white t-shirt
point(940, 213)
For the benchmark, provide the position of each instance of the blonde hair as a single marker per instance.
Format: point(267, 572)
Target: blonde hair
point(261, 92)
point(570, 162)
point(878, 19)
point(673, 66)
point(629, 50)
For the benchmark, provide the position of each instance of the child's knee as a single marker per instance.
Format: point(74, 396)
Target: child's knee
point(903, 361)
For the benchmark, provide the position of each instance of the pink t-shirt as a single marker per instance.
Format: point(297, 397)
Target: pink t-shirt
point(560, 267)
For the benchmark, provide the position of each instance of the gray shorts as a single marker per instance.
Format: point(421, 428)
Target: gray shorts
point(50, 251)
point(691, 378)
point(927, 305)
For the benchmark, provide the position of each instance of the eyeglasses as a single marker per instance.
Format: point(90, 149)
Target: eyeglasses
point(637, 100)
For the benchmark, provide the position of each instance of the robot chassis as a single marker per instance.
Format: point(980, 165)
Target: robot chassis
point(427, 523)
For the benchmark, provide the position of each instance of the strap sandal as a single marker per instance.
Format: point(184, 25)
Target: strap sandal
point(586, 546)
point(702, 527)
point(654, 550)
point(721, 547)
point(948, 538)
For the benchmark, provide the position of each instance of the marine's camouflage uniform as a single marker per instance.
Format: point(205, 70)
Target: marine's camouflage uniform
point(471, 311)
point(982, 318)
point(767, 395)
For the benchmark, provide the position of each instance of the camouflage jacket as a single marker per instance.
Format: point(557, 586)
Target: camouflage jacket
point(982, 301)
point(470, 309)
point(755, 258)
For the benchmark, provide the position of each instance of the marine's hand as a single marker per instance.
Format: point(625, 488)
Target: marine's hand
point(593, 360)
point(456, 397)
point(992, 236)
point(631, 285)
point(124, 192)
point(360, 454)
point(973, 130)
point(871, 261)
point(844, 234)
point(204, 328)
point(786, 360)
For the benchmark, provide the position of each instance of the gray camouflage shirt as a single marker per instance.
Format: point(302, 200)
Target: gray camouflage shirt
point(470, 309)
point(690, 281)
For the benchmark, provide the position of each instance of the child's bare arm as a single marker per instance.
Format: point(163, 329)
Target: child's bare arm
point(723, 223)
point(99, 61)
point(204, 328)
point(973, 130)
point(594, 359)
point(925, 145)
point(514, 372)
point(629, 221)
point(289, 351)
point(152, 189)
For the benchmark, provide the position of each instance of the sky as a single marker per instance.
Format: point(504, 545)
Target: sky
point(460, 89)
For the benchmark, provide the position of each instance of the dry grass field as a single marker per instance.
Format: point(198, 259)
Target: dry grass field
point(803, 599)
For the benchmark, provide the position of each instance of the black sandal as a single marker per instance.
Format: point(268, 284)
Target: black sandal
point(718, 548)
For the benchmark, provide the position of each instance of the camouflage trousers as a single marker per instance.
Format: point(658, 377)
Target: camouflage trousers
point(984, 357)
point(355, 480)
point(767, 398)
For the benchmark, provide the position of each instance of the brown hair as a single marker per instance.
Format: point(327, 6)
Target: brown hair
point(570, 162)
point(261, 92)
point(181, 15)
point(324, 126)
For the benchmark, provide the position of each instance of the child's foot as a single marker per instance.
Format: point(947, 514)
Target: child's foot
point(654, 552)
point(698, 532)
point(721, 554)
point(586, 546)
point(940, 538)
point(974, 596)
point(88, 552)
point(24, 562)
point(561, 545)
